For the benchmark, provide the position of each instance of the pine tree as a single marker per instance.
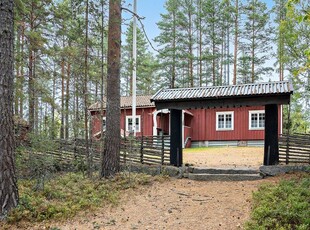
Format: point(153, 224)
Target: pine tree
point(146, 65)
point(296, 35)
point(8, 190)
point(168, 41)
point(256, 37)
point(236, 39)
point(280, 11)
point(187, 39)
point(110, 159)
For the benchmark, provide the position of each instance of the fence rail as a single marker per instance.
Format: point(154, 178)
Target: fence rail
point(294, 148)
point(145, 150)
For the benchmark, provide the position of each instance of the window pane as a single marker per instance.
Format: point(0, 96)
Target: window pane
point(228, 121)
point(137, 124)
point(104, 124)
point(261, 120)
point(254, 120)
point(221, 121)
point(129, 124)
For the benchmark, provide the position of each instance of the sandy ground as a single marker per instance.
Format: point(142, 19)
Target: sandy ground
point(174, 204)
point(224, 156)
point(180, 203)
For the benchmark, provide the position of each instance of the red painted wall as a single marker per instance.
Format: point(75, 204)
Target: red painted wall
point(204, 125)
point(146, 115)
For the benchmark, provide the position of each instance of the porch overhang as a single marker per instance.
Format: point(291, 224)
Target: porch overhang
point(269, 94)
point(223, 102)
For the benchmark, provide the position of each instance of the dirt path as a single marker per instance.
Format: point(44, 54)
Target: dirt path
point(174, 204)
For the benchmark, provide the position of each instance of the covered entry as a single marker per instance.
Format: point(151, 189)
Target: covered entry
point(269, 94)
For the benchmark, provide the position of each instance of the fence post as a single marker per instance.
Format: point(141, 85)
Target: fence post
point(124, 150)
point(287, 149)
point(141, 150)
point(75, 149)
point(288, 134)
point(162, 149)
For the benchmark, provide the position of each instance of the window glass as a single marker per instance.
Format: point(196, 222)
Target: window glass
point(104, 124)
point(224, 121)
point(129, 124)
point(257, 119)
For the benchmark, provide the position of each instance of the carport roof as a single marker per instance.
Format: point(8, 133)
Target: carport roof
point(224, 96)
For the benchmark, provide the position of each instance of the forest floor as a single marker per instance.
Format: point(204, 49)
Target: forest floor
point(180, 203)
point(177, 203)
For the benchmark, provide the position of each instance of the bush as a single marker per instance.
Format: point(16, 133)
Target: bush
point(282, 206)
point(66, 194)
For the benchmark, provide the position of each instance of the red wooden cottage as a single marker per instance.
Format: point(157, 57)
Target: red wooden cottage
point(231, 126)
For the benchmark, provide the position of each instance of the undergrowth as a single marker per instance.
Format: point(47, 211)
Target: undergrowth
point(285, 205)
point(66, 194)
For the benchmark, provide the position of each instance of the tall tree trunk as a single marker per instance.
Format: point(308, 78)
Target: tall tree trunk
point(35, 96)
point(190, 39)
point(17, 65)
point(103, 83)
point(173, 74)
point(62, 118)
point(31, 93)
point(236, 42)
point(67, 101)
point(200, 41)
point(85, 93)
point(77, 112)
point(253, 49)
point(8, 182)
point(111, 159)
point(213, 48)
point(22, 77)
point(220, 81)
point(53, 131)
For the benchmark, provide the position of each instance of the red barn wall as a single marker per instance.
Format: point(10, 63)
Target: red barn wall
point(201, 127)
point(204, 125)
point(146, 120)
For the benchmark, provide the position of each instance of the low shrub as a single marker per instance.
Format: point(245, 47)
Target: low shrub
point(66, 194)
point(285, 205)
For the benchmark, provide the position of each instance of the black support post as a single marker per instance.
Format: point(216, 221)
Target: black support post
point(176, 151)
point(271, 150)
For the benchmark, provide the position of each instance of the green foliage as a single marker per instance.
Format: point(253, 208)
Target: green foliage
point(256, 39)
point(67, 194)
point(282, 206)
point(146, 68)
point(32, 162)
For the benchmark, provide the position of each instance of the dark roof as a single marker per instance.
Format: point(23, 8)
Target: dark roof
point(213, 92)
point(142, 101)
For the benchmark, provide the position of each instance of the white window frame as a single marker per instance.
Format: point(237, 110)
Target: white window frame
point(232, 120)
point(250, 119)
point(104, 119)
point(139, 119)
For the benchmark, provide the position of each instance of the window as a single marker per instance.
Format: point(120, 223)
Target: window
point(225, 120)
point(104, 124)
point(256, 119)
point(129, 123)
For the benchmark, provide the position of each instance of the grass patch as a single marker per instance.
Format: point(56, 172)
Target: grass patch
point(285, 205)
point(67, 194)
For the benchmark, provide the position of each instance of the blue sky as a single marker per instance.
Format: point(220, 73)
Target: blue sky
point(151, 10)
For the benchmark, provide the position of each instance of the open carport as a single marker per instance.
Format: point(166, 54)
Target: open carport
point(270, 95)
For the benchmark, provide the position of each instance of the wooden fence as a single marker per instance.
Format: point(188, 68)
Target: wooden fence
point(145, 150)
point(294, 148)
